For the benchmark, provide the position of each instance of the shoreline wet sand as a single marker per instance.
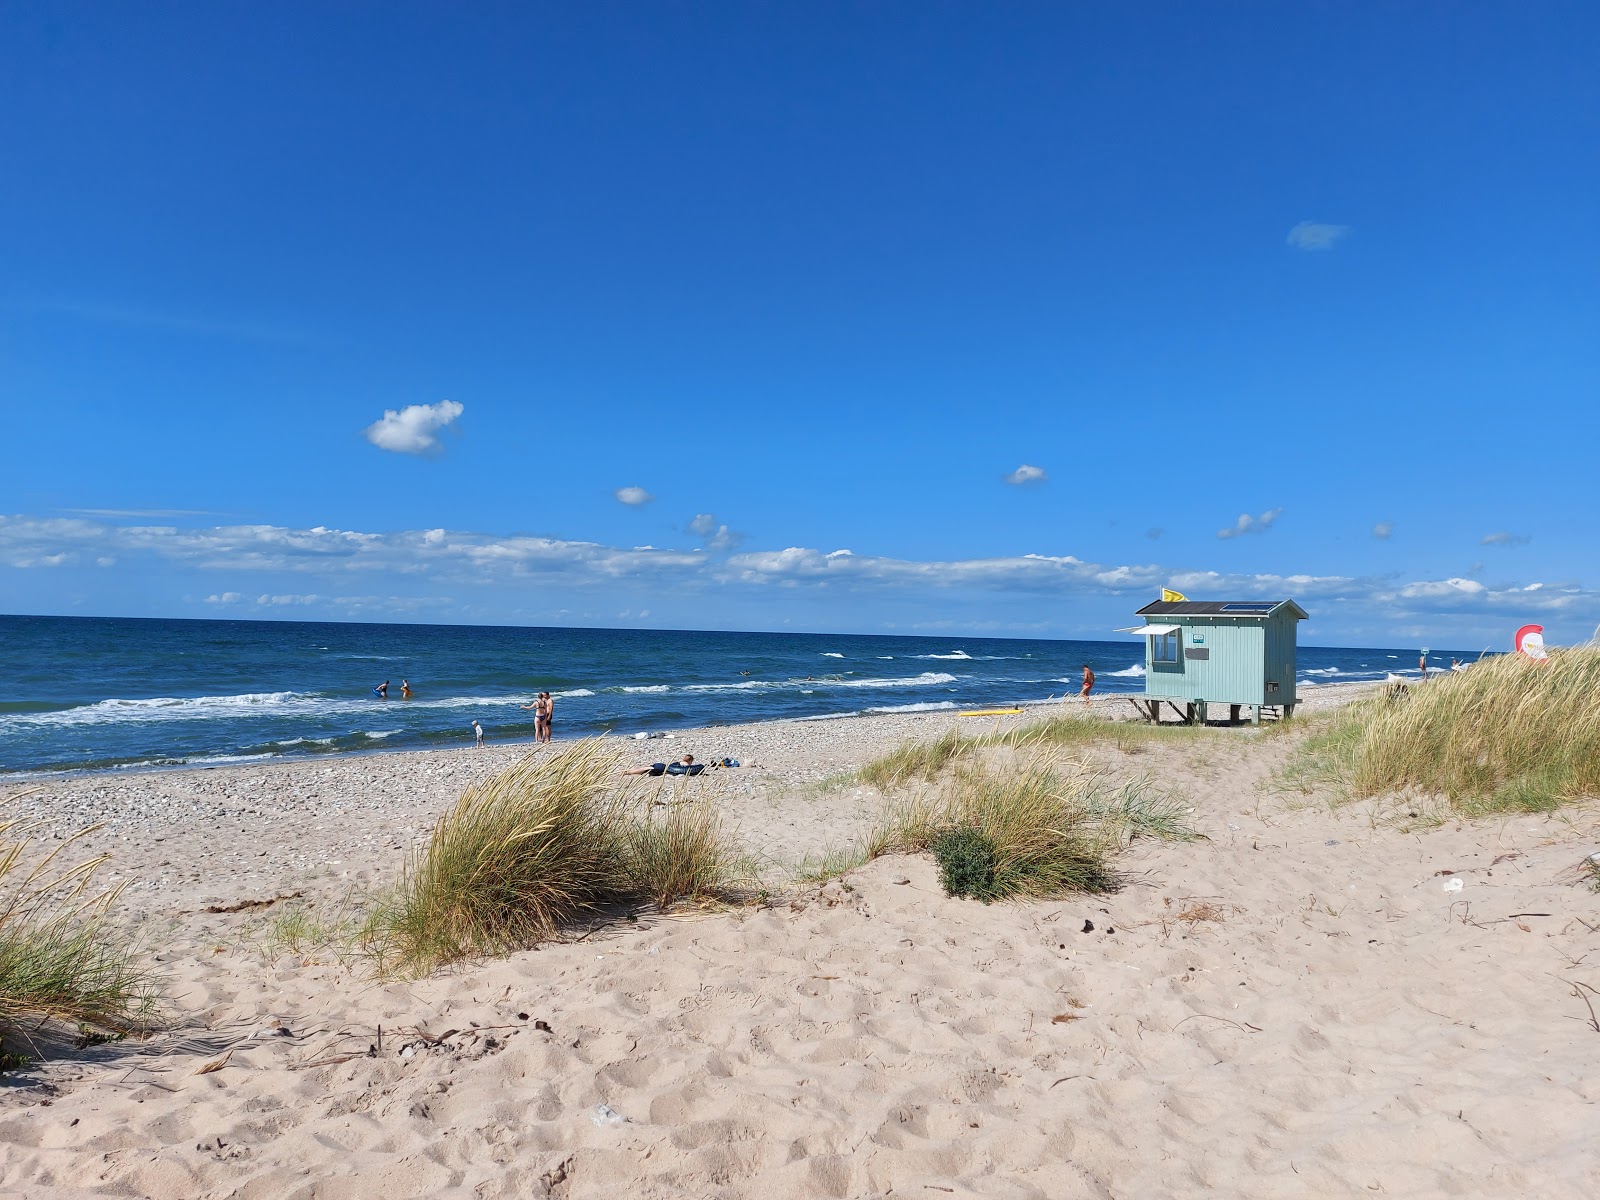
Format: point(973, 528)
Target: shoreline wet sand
point(1301, 1004)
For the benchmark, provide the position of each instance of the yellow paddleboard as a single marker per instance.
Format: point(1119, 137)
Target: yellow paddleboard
point(991, 712)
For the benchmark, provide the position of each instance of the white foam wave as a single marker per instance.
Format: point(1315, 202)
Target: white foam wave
point(1133, 672)
point(248, 704)
point(378, 735)
point(648, 688)
point(831, 654)
point(956, 655)
point(573, 693)
point(929, 707)
point(926, 679)
point(1322, 671)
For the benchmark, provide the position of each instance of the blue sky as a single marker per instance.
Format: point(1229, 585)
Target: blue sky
point(811, 278)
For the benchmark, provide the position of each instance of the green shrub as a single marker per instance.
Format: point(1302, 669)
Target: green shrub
point(966, 863)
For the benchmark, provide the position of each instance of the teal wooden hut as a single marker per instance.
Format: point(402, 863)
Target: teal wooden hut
point(1200, 653)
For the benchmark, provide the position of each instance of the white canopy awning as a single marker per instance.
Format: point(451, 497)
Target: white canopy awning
point(1152, 630)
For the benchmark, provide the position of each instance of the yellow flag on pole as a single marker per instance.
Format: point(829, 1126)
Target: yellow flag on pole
point(1169, 596)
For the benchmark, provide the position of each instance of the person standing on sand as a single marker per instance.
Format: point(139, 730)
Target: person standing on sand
point(1088, 683)
point(1422, 663)
point(543, 714)
point(477, 736)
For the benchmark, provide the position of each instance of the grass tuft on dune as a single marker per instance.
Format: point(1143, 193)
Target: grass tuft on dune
point(1051, 831)
point(1508, 735)
point(60, 959)
point(545, 843)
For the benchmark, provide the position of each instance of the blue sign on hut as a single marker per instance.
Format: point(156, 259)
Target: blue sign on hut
point(1203, 652)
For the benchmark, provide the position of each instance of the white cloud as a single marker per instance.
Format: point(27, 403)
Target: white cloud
point(718, 537)
point(1313, 235)
point(1383, 530)
point(1504, 539)
point(1452, 588)
point(633, 496)
point(1027, 474)
point(1248, 524)
point(454, 574)
point(411, 430)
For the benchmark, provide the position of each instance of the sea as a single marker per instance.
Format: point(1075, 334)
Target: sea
point(102, 694)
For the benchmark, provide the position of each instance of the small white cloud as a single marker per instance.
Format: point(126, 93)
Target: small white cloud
point(411, 430)
point(1248, 524)
point(633, 497)
point(282, 600)
point(224, 598)
point(1382, 530)
point(718, 537)
point(106, 560)
point(1026, 474)
point(841, 554)
point(1442, 588)
point(1504, 539)
point(1313, 235)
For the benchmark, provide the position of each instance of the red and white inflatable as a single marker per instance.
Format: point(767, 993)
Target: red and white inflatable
point(1530, 641)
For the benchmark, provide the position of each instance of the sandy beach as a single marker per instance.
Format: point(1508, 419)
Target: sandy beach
point(1307, 1002)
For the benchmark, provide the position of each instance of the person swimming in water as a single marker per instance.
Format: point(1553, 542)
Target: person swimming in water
point(382, 690)
point(405, 690)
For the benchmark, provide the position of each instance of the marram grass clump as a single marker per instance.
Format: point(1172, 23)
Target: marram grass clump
point(546, 843)
point(1508, 735)
point(60, 958)
point(1041, 824)
point(916, 760)
point(680, 851)
point(520, 854)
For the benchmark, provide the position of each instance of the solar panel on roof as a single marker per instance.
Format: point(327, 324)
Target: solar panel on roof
point(1252, 606)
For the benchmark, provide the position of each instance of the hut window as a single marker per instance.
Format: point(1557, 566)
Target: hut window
point(1164, 647)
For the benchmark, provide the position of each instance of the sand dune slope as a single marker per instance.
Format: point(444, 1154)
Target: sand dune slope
point(1296, 1007)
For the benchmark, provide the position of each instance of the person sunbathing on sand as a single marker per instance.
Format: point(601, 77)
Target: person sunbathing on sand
point(684, 766)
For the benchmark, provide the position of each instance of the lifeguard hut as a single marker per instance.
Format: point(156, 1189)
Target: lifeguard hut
point(1200, 653)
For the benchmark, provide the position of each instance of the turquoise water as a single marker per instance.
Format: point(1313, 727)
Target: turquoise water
point(113, 692)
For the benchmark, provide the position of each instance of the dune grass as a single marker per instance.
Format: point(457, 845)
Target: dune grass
point(546, 843)
point(680, 851)
point(519, 855)
point(1039, 823)
point(926, 759)
point(916, 760)
point(1509, 735)
point(60, 959)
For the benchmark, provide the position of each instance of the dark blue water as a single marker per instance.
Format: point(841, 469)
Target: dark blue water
point(106, 692)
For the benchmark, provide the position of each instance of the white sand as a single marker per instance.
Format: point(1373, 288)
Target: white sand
point(1295, 1007)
